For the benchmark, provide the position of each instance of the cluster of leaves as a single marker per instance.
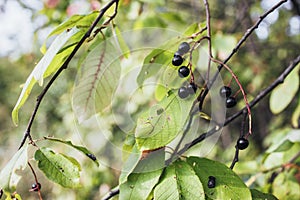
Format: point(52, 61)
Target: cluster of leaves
point(145, 174)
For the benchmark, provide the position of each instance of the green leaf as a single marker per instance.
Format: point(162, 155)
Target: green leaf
point(223, 44)
point(153, 64)
point(39, 72)
point(149, 21)
point(121, 42)
point(42, 66)
point(142, 162)
point(139, 185)
point(9, 176)
point(97, 81)
point(162, 122)
point(286, 141)
point(283, 146)
point(78, 21)
point(58, 167)
point(257, 195)
point(179, 181)
point(158, 60)
point(130, 164)
point(82, 149)
point(12, 196)
point(194, 28)
point(128, 146)
point(228, 184)
point(296, 115)
point(287, 89)
point(285, 186)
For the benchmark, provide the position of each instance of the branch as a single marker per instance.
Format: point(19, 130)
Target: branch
point(239, 44)
point(64, 66)
point(259, 97)
point(111, 193)
point(207, 11)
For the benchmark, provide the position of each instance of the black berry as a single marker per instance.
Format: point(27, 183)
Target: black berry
point(211, 182)
point(35, 187)
point(225, 91)
point(192, 88)
point(230, 102)
point(183, 48)
point(177, 60)
point(183, 92)
point(242, 143)
point(183, 71)
point(177, 53)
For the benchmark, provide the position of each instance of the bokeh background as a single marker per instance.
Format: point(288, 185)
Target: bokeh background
point(25, 24)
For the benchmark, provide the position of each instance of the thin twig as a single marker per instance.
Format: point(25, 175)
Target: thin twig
point(36, 181)
point(187, 128)
point(235, 158)
point(258, 98)
point(111, 193)
point(242, 90)
point(207, 11)
point(64, 66)
point(242, 133)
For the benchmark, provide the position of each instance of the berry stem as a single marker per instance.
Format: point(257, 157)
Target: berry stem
point(36, 181)
point(194, 35)
point(237, 92)
point(241, 89)
point(230, 82)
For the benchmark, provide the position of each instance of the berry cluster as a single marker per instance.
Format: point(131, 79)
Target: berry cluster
point(225, 92)
point(183, 71)
point(183, 48)
point(184, 92)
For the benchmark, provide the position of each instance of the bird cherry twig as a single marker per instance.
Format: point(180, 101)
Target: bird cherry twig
point(237, 150)
point(207, 11)
point(280, 79)
point(39, 99)
point(36, 181)
point(242, 90)
point(236, 48)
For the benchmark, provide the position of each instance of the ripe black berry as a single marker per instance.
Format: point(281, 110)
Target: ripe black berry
point(177, 60)
point(225, 91)
point(183, 92)
point(183, 48)
point(35, 187)
point(177, 53)
point(230, 102)
point(211, 182)
point(192, 88)
point(242, 143)
point(183, 71)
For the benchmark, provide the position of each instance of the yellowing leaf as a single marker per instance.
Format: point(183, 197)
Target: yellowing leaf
point(8, 176)
point(38, 73)
point(282, 95)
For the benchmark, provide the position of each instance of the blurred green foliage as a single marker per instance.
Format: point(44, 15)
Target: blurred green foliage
point(257, 64)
